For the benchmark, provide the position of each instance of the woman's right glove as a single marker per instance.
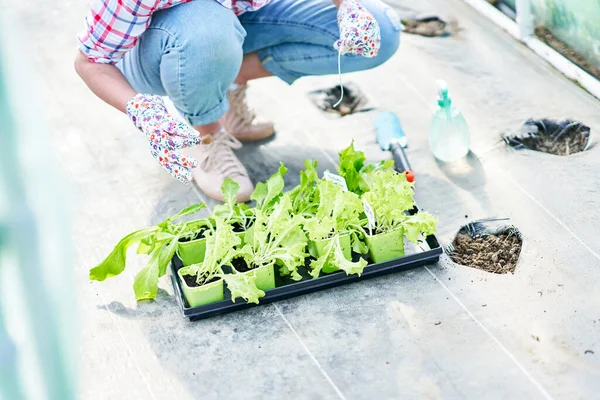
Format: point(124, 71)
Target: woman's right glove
point(165, 133)
point(359, 31)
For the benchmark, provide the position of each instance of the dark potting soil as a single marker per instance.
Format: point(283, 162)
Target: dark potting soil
point(190, 280)
point(492, 253)
point(199, 235)
point(240, 265)
point(560, 137)
point(238, 228)
point(308, 260)
point(547, 37)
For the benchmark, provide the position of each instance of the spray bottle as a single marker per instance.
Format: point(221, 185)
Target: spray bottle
point(449, 138)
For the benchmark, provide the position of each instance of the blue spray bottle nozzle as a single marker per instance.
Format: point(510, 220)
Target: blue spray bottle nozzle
point(443, 99)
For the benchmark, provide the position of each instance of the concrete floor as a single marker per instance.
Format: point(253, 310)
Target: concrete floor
point(444, 331)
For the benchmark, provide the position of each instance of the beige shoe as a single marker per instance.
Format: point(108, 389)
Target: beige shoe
point(217, 161)
point(241, 122)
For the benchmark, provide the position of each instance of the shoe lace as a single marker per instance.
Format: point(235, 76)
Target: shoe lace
point(219, 155)
point(237, 101)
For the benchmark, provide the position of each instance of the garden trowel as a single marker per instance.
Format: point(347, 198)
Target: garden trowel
point(390, 137)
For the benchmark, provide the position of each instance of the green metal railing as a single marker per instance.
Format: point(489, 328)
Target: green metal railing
point(36, 291)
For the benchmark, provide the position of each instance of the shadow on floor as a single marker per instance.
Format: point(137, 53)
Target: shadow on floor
point(261, 159)
point(468, 174)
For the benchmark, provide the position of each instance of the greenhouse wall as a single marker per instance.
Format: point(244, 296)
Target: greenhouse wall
point(574, 22)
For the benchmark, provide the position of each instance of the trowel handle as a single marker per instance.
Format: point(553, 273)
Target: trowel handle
point(400, 160)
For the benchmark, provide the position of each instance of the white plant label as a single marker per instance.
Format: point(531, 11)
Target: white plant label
point(338, 180)
point(370, 215)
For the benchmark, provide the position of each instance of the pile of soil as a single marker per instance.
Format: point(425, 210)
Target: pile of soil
point(428, 27)
point(353, 101)
point(492, 253)
point(562, 137)
point(547, 37)
point(190, 280)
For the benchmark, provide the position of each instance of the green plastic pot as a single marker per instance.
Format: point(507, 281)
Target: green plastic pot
point(193, 252)
point(201, 295)
point(321, 247)
point(265, 276)
point(386, 246)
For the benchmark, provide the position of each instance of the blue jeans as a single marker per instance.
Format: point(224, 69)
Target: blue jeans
point(193, 52)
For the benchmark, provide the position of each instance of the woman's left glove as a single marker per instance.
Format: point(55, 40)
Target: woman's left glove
point(359, 32)
point(165, 134)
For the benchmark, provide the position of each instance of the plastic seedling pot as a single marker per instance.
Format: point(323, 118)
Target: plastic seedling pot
point(386, 246)
point(265, 276)
point(193, 252)
point(321, 247)
point(201, 295)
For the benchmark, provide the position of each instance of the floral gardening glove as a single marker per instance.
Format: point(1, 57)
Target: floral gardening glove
point(359, 32)
point(165, 133)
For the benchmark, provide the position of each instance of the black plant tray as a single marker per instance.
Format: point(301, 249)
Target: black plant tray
point(287, 288)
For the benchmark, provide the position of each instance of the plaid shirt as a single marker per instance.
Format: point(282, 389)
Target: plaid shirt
point(113, 26)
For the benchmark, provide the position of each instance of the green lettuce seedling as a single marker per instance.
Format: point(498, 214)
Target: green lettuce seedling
point(303, 196)
point(354, 168)
point(159, 242)
point(220, 251)
point(238, 214)
point(276, 238)
point(266, 194)
point(391, 196)
point(337, 214)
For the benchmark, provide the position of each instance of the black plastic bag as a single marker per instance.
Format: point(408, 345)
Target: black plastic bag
point(561, 137)
point(489, 226)
point(354, 100)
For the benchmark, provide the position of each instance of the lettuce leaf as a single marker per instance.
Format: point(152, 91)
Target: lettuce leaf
point(292, 251)
point(391, 196)
point(145, 284)
point(334, 255)
point(350, 166)
point(244, 286)
point(267, 193)
point(229, 190)
point(355, 170)
point(148, 239)
point(420, 223)
point(159, 242)
point(358, 245)
point(276, 237)
point(169, 227)
point(220, 249)
point(319, 228)
point(231, 210)
point(303, 195)
point(189, 210)
point(115, 262)
point(338, 210)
